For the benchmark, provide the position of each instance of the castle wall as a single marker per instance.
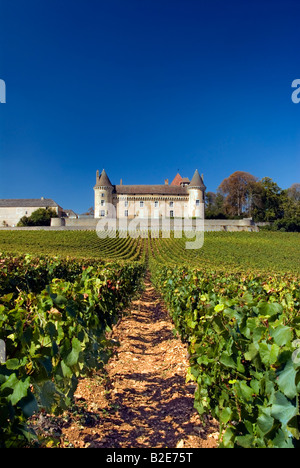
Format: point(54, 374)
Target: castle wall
point(150, 206)
point(153, 224)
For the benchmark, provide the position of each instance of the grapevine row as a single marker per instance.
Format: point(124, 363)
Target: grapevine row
point(240, 320)
point(54, 326)
point(242, 329)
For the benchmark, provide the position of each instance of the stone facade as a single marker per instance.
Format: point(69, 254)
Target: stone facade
point(182, 198)
point(12, 210)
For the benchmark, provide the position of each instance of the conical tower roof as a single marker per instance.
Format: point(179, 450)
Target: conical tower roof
point(197, 180)
point(104, 180)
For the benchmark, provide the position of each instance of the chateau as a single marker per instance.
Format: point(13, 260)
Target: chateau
point(183, 197)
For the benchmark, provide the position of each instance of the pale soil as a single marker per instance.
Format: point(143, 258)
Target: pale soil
point(144, 400)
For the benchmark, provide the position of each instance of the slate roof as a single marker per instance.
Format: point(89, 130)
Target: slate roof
point(175, 188)
point(27, 202)
point(150, 189)
point(104, 180)
point(185, 180)
point(69, 213)
point(196, 180)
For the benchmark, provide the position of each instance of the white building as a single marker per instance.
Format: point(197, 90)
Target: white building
point(12, 210)
point(182, 198)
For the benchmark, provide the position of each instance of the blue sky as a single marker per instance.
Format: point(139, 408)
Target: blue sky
point(144, 88)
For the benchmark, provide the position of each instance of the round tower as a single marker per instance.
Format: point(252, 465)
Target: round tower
point(103, 196)
point(196, 191)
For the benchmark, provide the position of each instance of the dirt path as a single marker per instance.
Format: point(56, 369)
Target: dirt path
point(145, 401)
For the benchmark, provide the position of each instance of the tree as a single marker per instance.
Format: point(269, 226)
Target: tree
point(210, 198)
point(294, 192)
point(89, 212)
point(214, 206)
point(237, 193)
point(280, 207)
point(255, 200)
point(39, 217)
point(24, 221)
point(243, 194)
point(272, 200)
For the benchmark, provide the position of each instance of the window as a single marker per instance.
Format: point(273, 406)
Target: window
point(156, 204)
point(171, 214)
point(102, 194)
point(171, 204)
point(141, 204)
point(197, 202)
point(102, 213)
point(126, 203)
point(102, 202)
point(126, 213)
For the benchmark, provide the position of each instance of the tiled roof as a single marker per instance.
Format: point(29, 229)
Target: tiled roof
point(177, 179)
point(27, 202)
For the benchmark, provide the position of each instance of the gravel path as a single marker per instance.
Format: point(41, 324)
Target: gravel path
point(144, 401)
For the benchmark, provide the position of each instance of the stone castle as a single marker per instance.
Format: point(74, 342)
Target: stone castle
point(181, 198)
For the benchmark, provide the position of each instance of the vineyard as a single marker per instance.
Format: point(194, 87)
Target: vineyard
point(234, 302)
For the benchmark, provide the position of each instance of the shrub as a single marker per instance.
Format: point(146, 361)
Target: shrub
point(40, 217)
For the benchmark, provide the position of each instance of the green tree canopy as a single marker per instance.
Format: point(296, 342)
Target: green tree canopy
point(40, 217)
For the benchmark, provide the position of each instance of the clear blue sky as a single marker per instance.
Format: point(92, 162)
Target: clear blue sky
point(143, 88)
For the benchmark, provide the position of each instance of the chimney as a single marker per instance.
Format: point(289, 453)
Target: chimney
point(97, 175)
point(121, 182)
point(166, 181)
point(202, 177)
